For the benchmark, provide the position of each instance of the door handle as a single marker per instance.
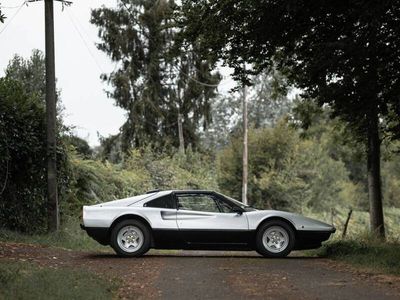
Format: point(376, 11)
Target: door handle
point(168, 215)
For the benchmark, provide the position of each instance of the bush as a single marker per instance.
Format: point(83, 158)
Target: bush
point(180, 171)
point(93, 181)
point(23, 159)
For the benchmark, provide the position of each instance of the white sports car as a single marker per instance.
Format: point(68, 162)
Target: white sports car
point(198, 220)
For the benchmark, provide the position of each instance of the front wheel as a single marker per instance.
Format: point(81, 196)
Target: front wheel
point(130, 238)
point(275, 238)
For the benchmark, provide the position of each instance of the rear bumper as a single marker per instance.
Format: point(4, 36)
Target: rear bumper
point(310, 239)
point(99, 234)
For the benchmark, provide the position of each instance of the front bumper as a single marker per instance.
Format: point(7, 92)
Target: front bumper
point(311, 239)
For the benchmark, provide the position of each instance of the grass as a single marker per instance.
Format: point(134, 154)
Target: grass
point(29, 281)
point(71, 236)
point(360, 248)
point(366, 252)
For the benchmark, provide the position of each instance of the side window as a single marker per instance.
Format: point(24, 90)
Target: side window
point(225, 206)
point(162, 202)
point(197, 202)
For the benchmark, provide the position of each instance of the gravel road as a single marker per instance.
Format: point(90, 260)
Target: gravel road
point(216, 275)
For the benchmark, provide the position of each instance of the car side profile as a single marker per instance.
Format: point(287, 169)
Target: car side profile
point(199, 220)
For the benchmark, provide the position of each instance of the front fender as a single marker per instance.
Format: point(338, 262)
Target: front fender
point(300, 223)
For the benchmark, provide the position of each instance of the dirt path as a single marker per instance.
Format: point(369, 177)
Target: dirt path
point(217, 275)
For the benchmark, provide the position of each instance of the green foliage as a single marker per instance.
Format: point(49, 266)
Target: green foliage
point(342, 145)
point(285, 171)
point(367, 252)
point(22, 136)
point(391, 178)
point(23, 147)
point(70, 236)
point(267, 103)
point(80, 145)
point(30, 72)
point(93, 181)
point(190, 171)
point(343, 55)
point(28, 281)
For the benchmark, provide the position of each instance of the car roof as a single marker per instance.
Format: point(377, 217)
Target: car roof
point(165, 192)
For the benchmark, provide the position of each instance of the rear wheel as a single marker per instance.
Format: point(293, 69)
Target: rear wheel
point(130, 238)
point(275, 238)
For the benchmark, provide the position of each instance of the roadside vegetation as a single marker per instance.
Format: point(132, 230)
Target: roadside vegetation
point(28, 281)
point(71, 236)
point(367, 252)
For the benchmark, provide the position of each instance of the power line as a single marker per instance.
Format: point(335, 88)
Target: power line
point(79, 24)
point(12, 18)
point(84, 41)
point(12, 7)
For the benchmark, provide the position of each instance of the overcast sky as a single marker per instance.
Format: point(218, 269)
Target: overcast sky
point(78, 62)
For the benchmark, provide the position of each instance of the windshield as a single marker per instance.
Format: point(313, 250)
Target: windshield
point(238, 203)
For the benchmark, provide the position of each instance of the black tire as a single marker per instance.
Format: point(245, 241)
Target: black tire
point(140, 226)
point(263, 250)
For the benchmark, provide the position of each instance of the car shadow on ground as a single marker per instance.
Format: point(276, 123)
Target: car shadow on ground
point(196, 254)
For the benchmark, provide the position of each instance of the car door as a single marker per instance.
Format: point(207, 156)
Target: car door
point(162, 213)
point(201, 219)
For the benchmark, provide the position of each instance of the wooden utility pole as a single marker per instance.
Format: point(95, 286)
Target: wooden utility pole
point(245, 154)
point(52, 194)
point(53, 215)
point(180, 133)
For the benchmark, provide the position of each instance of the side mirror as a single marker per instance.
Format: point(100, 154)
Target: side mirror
point(237, 210)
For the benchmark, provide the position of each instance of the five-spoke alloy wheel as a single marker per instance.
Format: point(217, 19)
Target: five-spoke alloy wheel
point(130, 238)
point(275, 238)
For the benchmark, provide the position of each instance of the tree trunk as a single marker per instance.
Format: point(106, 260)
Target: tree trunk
point(245, 154)
point(374, 175)
point(52, 194)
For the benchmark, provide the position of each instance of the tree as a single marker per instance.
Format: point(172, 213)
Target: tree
point(31, 72)
point(23, 147)
point(267, 103)
point(268, 99)
point(159, 83)
point(80, 145)
point(22, 159)
point(344, 54)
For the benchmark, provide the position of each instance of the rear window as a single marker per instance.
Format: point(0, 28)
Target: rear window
point(166, 201)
